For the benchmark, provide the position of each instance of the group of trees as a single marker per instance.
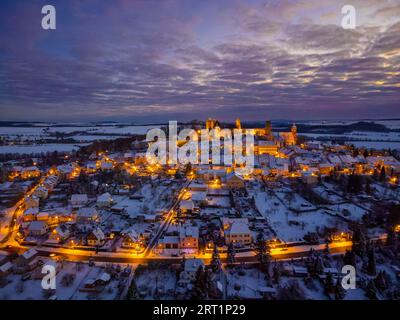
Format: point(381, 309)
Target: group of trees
point(263, 253)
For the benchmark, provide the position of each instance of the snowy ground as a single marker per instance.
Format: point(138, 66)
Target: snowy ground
point(17, 289)
point(37, 149)
point(290, 226)
point(157, 282)
point(348, 210)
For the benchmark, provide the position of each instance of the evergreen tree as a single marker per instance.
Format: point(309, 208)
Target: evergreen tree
point(340, 293)
point(199, 291)
point(263, 253)
point(326, 249)
point(382, 281)
point(359, 242)
point(371, 290)
point(368, 187)
point(375, 174)
point(215, 262)
point(382, 176)
point(318, 266)
point(132, 291)
point(329, 285)
point(276, 273)
point(371, 267)
point(231, 254)
point(349, 258)
point(391, 237)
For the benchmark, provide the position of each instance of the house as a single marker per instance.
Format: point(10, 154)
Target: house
point(199, 198)
point(96, 238)
point(169, 243)
point(266, 147)
point(106, 166)
point(30, 172)
point(300, 271)
point(237, 232)
point(51, 182)
point(79, 200)
point(190, 268)
point(186, 207)
point(31, 202)
point(233, 181)
point(37, 228)
point(189, 238)
point(104, 279)
point(60, 234)
point(87, 215)
point(309, 177)
point(6, 268)
point(104, 200)
point(326, 168)
point(196, 186)
point(30, 214)
point(130, 239)
point(41, 192)
point(26, 261)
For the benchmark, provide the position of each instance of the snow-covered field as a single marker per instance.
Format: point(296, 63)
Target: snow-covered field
point(373, 140)
point(290, 226)
point(17, 289)
point(81, 134)
point(42, 131)
point(39, 148)
point(391, 124)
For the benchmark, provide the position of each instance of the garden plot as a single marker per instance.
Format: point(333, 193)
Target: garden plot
point(382, 192)
point(328, 195)
point(17, 289)
point(244, 282)
point(149, 199)
point(223, 202)
point(156, 282)
point(294, 201)
point(290, 226)
point(348, 211)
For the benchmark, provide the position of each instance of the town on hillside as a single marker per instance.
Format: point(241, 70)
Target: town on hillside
point(115, 225)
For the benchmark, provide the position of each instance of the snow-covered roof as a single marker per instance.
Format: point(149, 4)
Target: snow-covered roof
point(238, 228)
point(6, 267)
point(186, 205)
point(188, 231)
point(192, 265)
point(33, 210)
point(104, 277)
point(87, 212)
point(233, 175)
point(79, 198)
point(98, 233)
point(199, 196)
point(105, 197)
point(29, 254)
point(37, 226)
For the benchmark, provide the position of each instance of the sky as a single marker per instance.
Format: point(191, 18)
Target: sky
point(150, 61)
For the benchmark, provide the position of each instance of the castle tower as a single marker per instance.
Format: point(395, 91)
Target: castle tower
point(238, 124)
point(268, 129)
point(210, 124)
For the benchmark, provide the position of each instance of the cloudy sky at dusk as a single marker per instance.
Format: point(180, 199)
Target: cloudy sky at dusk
point(150, 61)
